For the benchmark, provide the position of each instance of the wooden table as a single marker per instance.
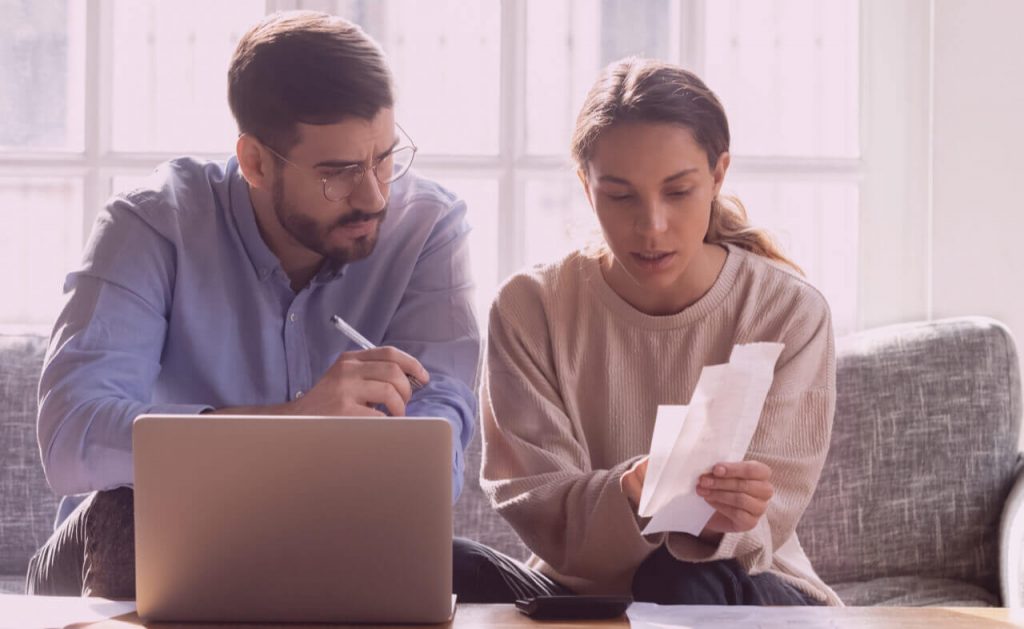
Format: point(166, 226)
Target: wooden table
point(506, 617)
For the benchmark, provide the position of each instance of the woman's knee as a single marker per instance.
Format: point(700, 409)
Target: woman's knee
point(663, 579)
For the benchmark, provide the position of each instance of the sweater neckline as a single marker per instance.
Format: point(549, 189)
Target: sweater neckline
point(696, 311)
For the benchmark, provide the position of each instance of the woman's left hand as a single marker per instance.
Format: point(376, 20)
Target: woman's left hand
point(739, 492)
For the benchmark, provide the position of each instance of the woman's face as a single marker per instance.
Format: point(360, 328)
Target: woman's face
point(651, 188)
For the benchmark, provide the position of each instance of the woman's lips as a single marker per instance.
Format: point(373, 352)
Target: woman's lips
point(653, 260)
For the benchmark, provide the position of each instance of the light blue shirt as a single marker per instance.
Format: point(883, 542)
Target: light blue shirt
point(180, 307)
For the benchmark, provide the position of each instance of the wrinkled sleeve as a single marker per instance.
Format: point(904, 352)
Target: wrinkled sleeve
point(435, 323)
point(792, 438)
point(104, 355)
point(535, 470)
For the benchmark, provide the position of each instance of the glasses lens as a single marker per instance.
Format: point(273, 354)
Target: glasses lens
point(341, 184)
point(395, 165)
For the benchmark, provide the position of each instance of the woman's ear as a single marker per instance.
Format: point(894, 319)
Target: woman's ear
point(251, 161)
point(718, 176)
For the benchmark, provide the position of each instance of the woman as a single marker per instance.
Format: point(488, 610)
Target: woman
point(581, 353)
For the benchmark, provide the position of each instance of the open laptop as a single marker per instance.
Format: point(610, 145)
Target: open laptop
point(293, 519)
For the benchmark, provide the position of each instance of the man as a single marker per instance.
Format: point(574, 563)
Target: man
point(210, 290)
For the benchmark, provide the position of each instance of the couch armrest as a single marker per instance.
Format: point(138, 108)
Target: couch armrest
point(1011, 544)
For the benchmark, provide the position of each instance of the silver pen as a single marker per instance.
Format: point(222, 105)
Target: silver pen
point(362, 342)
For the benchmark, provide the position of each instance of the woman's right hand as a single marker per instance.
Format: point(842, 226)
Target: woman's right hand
point(632, 482)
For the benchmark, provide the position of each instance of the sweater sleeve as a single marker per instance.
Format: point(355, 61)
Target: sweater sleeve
point(792, 438)
point(536, 468)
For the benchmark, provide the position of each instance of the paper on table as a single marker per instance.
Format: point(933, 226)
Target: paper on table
point(716, 426)
point(45, 612)
point(651, 616)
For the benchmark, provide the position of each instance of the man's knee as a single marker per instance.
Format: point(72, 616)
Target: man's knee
point(56, 568)
point(109, 569)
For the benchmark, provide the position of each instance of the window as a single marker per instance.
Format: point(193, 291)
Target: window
point(104, 90)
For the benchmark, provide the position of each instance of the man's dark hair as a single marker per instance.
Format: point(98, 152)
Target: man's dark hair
point(305, 66)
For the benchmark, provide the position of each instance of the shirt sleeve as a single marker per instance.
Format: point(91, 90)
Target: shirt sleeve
point(536, 471)
point(104, 355)
point(792, 438)
point(435, 323)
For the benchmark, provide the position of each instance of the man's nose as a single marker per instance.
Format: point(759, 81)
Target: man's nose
point(369, 195)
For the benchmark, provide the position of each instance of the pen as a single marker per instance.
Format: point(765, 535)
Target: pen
point(362, 342)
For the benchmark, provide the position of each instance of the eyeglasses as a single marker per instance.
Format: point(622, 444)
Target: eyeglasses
point(340, 183)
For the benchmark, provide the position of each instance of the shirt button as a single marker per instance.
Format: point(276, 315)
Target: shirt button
point(291, 317)
point(298, 394)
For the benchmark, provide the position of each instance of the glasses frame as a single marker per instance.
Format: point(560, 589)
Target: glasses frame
point(359, 169)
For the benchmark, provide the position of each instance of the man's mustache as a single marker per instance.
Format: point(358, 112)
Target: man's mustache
point(359, 216)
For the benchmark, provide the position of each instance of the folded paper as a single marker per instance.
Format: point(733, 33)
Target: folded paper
point(716, 426)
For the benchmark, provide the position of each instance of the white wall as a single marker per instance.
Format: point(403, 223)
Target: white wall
point(942, 218)
point(978, 161)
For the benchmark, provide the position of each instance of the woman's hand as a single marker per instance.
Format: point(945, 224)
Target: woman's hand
point(632, 482)
point(739, 492)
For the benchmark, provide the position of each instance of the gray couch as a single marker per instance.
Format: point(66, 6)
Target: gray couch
point(919, 502)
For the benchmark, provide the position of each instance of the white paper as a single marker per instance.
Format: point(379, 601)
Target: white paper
point(47, 612)
point(717, 425)
point(651, 616)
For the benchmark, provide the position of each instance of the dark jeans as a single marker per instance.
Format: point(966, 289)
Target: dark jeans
point(92, 553)
point(664, 579)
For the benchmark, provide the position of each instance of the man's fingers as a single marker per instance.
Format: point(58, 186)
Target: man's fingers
point(405, 362)
point(389, 373)
point(354, 368)
point(376, 392)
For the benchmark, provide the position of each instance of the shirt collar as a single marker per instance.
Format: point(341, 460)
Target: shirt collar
point(262, 258)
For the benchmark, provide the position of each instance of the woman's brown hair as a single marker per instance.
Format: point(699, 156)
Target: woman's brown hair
point(646, 90)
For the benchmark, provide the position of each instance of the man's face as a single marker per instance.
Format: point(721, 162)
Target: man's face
point(345, 230)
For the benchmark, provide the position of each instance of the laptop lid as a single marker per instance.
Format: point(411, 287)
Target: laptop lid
point(293, 519)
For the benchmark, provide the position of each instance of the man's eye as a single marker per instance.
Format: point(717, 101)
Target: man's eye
point(341, 172)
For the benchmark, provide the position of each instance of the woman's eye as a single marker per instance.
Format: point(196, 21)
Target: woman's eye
point(678, 193)
point(619, 196)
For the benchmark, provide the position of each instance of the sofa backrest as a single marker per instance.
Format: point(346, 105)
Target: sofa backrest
point(924, 450)
point(27, 506)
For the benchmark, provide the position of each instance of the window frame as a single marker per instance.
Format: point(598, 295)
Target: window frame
point(98, 163)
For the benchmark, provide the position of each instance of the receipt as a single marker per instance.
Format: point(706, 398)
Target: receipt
point(716, 426)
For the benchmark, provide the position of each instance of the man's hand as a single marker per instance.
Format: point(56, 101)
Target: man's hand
point(359, 381)
point(739, 492)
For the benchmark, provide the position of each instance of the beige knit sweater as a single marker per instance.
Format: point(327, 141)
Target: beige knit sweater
point(573, 379)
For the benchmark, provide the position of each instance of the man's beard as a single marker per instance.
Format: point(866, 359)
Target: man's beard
point(314, 236)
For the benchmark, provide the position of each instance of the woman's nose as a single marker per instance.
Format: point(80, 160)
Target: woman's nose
point(653, 217)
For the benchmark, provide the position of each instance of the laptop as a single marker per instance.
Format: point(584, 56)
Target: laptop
point(293, 519)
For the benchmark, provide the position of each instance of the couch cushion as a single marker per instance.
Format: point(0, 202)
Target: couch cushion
point(474, 517)
point(923, 452)
point(915, 592)
point(27, 505)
